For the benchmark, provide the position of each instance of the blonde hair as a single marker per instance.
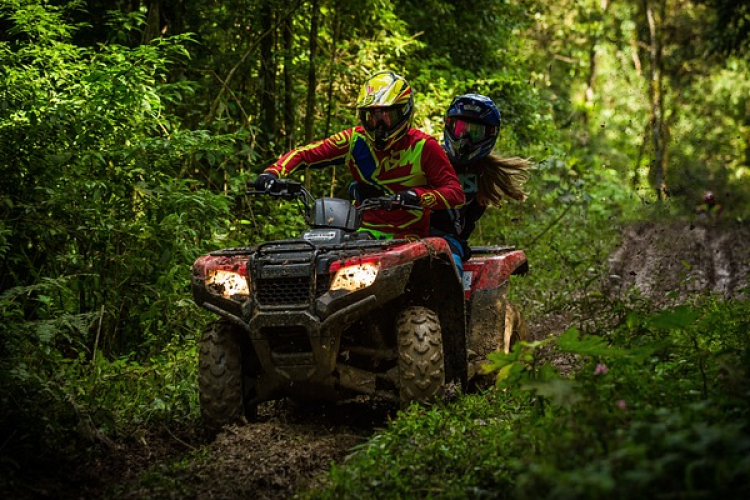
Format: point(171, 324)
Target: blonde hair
point(500, 176)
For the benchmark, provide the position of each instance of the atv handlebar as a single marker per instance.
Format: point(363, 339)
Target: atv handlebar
point(387, 202)
point(285, 189)
point(294, 190)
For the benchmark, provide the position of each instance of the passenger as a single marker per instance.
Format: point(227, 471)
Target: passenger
point(386, 156)
point(472, 125)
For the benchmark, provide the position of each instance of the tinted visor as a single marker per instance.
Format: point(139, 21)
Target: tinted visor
point(474, 131)
point(373, 118)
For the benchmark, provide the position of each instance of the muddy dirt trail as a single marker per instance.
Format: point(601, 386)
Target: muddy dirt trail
point(290, 447)
point(670, 262)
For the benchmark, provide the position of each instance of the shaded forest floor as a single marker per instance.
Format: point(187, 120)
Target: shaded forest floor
point(290, 447)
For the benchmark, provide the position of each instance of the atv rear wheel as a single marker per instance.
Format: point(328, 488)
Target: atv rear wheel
point(223, 386)
point(421, 365)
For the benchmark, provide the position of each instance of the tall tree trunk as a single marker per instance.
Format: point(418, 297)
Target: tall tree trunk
point(165, 17)
point(173, 17)
point(332, 77)
point(334, 42)
point(311, 80)
point(639, 158)
point(656, 95)
point(290, 114)
point(267, 75)
point(153, 22)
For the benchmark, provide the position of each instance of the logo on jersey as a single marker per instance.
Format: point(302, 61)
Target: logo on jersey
point(399, 159)
point(339, 139)
point(469, 183)
point(428, 200)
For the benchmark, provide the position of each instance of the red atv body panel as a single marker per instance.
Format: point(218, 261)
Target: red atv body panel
point(485, 271)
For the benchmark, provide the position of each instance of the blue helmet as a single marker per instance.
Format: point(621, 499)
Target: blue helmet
point(472, 124)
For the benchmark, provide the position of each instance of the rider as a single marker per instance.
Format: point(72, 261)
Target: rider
point(386, 157)
point(472, 125)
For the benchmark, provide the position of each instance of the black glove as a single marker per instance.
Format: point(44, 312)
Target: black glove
point(265, 180)
point(409, 198)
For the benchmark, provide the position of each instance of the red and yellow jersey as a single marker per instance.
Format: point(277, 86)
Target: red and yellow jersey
point(415, 162)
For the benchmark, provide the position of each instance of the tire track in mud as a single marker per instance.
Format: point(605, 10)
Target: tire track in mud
point(291, 447)
point(669, 262)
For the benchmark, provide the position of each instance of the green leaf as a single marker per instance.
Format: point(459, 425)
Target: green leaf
point(571, 341)
point(682, 317)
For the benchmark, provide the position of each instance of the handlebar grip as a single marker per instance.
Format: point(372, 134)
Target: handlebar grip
point(389, 202)
point(280, 188)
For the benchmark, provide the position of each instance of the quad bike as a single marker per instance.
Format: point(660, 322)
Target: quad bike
point(335, 313)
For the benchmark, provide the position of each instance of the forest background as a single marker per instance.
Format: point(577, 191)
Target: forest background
point(128, 129)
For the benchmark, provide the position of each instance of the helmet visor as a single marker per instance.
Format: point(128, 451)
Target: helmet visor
point(387, 117)
point(462, 129)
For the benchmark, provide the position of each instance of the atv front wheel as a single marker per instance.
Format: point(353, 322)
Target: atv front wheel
point(222, 384)
point(420, 355)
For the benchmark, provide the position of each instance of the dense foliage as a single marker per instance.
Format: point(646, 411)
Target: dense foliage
point(128, 129)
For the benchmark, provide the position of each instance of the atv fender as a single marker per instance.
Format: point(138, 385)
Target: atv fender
point(435, 283)
point(486, 281)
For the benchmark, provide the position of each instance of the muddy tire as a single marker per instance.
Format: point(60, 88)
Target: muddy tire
point(517, 326)
point(421, 365)
point(501, 338)
point(221, 382)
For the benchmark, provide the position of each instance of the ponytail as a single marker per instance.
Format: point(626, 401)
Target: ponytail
point(500, 176)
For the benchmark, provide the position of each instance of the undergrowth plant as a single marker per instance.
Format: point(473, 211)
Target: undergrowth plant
point(88, 398)
point(658, 407)
point(98, 232)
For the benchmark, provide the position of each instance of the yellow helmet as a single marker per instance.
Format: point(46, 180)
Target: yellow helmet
point(385, 106)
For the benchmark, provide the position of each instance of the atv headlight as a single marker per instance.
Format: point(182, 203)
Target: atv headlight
point(227, 283)
point(355, 277)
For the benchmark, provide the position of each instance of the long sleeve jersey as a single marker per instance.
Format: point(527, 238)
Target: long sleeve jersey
point(461, 221)
point(416, 162)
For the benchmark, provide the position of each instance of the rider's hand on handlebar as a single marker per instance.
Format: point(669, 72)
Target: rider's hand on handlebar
point(408, 197)
point(265, 181)
point(407, 200)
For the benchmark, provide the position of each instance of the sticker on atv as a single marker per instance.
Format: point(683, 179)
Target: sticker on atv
point(466, 278)
point(320, 236)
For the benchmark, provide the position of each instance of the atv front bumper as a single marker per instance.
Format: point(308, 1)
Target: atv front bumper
point(298, 347)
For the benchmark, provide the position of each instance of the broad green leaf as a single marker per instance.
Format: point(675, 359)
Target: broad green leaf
point(680, 318)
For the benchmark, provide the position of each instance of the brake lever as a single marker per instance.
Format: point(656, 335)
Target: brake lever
point(389, 203)
point(395, 202)
point(411, 207)
point(287, 190)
